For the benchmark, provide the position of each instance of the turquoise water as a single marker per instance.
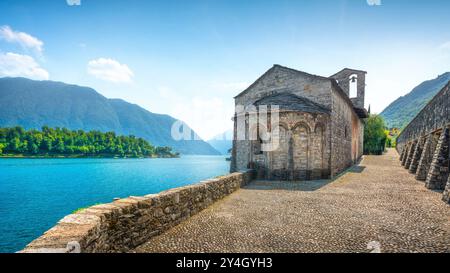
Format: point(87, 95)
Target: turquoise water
point(36, 193)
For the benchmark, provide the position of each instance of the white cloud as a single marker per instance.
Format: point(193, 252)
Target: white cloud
point(73, 2)
point(236, 87)
point(445, 46)
point(374, 2)
point(17, 65)
point(21, 38)
point(110, 70)
point(207, 116)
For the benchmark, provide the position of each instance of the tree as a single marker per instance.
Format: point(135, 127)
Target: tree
point(374, 135)
point(59, 146)
point(79, 143)
point(46, 145)
point(14, 144)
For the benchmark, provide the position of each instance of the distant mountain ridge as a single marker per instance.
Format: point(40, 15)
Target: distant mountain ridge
point(33, 104)
point(400, 113)
point(223, 142)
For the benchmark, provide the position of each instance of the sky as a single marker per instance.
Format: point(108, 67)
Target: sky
point(189, 58)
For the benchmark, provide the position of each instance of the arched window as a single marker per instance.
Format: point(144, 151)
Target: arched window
point(353, 86)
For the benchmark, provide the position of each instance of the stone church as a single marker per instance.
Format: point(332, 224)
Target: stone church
point(319, 125)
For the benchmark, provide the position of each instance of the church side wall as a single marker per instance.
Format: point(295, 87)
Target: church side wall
point(242, 154)
point(346, 134)
point(361, 138)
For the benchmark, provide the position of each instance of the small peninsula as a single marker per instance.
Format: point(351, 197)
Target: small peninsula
point(16, 142)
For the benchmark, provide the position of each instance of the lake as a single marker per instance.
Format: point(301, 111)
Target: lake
point(36, 193)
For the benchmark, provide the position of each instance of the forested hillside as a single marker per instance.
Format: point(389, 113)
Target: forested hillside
point(34, 104)
point(404, 109)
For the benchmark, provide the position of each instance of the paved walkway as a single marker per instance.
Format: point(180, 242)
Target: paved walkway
point(375, 201)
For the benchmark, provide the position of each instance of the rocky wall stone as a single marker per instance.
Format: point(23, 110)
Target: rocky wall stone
point(411, 151)
point(416, 155)
point(127, 223)
point(426, 157)
point(446, 195)
point(438, 174)
point(402, 154)
point(407, 149)
point(433, 166)
point(435, 115)
point(346, 135)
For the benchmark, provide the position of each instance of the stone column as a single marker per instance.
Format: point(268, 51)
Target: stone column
point(290, 174)
point(402, 154)
point(412, 148)
point(425, 159)
point(416, 155)
point(406, 153)
point(438, 174)
point(446, 196)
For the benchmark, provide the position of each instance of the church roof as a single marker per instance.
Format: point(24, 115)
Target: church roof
point(277, 66)
point(291, 102)
point(361, 112)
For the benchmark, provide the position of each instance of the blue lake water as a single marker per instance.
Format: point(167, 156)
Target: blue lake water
point(36, 193)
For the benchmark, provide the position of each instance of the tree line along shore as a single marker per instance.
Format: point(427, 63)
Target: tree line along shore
point(49, 142)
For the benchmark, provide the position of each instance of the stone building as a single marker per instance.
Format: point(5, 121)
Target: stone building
point(319, 130)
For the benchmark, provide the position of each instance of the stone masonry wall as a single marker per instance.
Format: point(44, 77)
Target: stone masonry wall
point(127, 223)
point(343, 79)
point(346, 135)
point(424, 144)
point(435, 115)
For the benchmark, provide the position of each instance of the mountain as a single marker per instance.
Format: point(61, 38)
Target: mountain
point(33, 104)
point(404, 109)
point(223, 142)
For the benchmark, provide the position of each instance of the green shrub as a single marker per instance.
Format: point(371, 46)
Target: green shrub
point(375, 136)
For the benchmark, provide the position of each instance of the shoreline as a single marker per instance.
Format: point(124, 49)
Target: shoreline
point(78, 157)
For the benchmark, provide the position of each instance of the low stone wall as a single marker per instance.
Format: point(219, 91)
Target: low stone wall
point(127, 223)
point(424, 144)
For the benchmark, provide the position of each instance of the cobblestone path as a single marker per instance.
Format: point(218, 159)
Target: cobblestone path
point(376, 201)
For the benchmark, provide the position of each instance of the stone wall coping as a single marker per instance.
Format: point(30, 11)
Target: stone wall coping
point(123, 224)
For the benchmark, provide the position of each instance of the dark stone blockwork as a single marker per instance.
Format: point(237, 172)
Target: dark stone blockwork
point(424, 144)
